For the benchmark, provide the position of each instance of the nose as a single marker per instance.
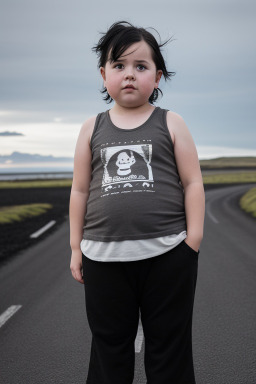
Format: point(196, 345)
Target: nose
point(129, 74)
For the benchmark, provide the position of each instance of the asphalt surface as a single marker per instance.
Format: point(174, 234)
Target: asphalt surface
point(48, 339)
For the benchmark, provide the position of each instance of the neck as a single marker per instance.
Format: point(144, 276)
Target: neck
point(121, 110)
point(129, 118)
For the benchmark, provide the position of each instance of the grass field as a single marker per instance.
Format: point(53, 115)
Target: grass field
point(230, 178)
point(229, 162)
point(36, 184)
point(248, 202)
point(21, 212)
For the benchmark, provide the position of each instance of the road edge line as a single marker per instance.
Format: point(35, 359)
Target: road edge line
point(6, 315)
point(43, 229)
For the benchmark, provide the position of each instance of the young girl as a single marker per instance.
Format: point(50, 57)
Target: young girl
point(136, 218)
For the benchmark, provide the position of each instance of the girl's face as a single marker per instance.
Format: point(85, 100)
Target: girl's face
point(132, 78)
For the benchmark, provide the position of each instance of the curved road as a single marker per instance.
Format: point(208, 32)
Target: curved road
point(47, 339)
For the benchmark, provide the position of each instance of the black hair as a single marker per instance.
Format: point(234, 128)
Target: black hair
point(120, 36)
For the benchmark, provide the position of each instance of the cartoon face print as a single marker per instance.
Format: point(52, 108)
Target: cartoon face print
point(124, 163)
point(126, 169)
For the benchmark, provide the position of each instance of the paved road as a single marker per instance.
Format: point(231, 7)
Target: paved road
point(48, 339)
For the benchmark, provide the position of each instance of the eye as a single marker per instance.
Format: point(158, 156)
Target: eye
point(118, 66)
point(141, 67)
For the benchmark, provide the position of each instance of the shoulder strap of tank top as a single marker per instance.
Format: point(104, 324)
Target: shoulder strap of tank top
point(96, 124)
point(164, 122)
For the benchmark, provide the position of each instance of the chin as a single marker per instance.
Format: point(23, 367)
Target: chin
point(132, 103)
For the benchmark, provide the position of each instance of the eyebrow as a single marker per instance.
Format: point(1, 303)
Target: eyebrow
point(137, 61)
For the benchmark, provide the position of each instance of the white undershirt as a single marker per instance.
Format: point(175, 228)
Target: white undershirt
point(130, 250)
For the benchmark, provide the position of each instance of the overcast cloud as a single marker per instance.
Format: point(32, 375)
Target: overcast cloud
point(49, 75)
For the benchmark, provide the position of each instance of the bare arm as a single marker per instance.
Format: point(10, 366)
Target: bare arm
point(191, 178)
point(79, 196)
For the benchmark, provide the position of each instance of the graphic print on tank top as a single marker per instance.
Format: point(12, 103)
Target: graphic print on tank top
point(127, 168)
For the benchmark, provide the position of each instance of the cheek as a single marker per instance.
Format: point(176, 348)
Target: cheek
point(112, 85)
point(148, 84)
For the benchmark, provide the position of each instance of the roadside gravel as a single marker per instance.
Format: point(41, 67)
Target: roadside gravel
point(16, 236)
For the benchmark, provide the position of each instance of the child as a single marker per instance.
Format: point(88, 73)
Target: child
point(136, 218)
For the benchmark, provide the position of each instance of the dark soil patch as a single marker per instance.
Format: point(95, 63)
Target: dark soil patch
point(16, 236)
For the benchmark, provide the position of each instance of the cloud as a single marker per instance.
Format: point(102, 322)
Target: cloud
point(49, 73)
point(8, 133)
point(51, 138)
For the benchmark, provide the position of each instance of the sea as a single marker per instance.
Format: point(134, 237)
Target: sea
point(35, 174)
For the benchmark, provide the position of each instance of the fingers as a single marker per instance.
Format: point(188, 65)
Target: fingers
point(77, 275)
point(76, 266)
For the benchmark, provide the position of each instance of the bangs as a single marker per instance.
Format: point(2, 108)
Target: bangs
point(121, 43)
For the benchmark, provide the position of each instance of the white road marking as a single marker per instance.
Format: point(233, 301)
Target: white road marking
point(212, 217)
point(139, 338)
point(8, 313)
point(42, 230)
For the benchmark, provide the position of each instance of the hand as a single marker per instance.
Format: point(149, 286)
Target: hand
point(76, 265)
point(193, 243)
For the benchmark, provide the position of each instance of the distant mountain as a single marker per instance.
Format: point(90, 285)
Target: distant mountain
point(18, 157)
point(8, 133)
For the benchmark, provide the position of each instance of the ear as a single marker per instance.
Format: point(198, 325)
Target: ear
point(158, 77)
point(103, 74)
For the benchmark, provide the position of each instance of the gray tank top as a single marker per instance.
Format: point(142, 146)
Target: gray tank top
point(135, 190)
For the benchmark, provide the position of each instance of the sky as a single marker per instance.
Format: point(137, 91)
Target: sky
point(50, 83)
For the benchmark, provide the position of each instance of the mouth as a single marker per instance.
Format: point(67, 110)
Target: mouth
point(129, 86)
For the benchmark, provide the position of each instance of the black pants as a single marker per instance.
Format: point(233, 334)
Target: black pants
point(162, 289)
